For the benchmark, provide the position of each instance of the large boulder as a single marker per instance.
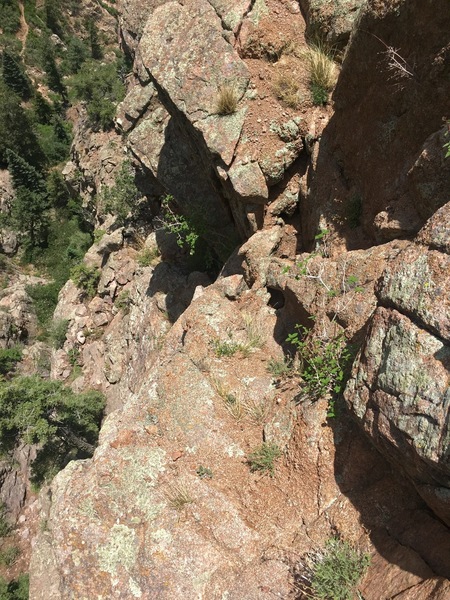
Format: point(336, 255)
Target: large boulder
point(399, 390)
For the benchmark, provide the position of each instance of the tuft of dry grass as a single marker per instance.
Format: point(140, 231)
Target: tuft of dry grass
point(286, 90)
point(179, 497)
point(323, 71)
point(227, 100)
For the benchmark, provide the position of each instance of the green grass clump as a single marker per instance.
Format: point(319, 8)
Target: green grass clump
point(336, 572)
point(263, 458)
point(322, 72)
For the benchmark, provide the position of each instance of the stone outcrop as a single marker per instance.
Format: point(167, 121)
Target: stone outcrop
point(399, 391)
point(380, 171)
point(330, 22)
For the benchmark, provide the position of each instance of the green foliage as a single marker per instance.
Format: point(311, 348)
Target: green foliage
point(42, 110)
point(86, 278)
point(263, 458)
point(336, 574)
point(9, 16)
point(77, 53)
point(53, 76)
point(101, 87)
point(123, 302)
point(319, 94)
point(45, 299)
point(9, 357)
point(146, 257)
point(5, 527)
point(225, 348)
point(16, 131)
point(323, 362)
point(354, 211)
point(8, 556)
point(280, 368)
point(44, 412)
point(29, 209)
point(94, 44)
point(16, 589)
point(54, 139)
point(53, 17)
point(58, 332)
point(204, 472)
point(186, 231)
point(123, 196)
point(14, 75)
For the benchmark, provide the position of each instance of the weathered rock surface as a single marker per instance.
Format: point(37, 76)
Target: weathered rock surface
point(389, 167)
point(400, 388)
point(330, 22)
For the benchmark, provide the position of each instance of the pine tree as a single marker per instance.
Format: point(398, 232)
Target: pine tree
point(54, 79)
point(76, 55)
point(42, 109)
point(30, 205)
point(21, 139)
point(96, 49)
point(14, 75)
point(53, 17)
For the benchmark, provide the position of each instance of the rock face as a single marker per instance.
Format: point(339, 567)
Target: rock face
point(171, 505)
point(384, 174)
point(400, 388)
point(330, 22)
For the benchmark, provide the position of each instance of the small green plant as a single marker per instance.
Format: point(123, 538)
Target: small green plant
point(86, 278)
point(204, 472)
point(186, 232)
point(123, 302)
point(335, 572)
point(225, 348)
point(281, 369)
point(232, 402)
point(147, 256)
point(227, 100)
point(98, 234)
point(9, 556)
point(323, 361)
point(263, 458)
point(58, 332)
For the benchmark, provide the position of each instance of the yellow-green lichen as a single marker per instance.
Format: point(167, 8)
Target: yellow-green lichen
point(120, 549)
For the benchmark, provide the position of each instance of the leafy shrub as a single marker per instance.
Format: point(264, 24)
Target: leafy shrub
point(263, 458)
point(86, 278)
point(45, 299)
point(16, 589)
point(9, 357)
point(186, 231)
point(101, 87)
point(227, 100)
point(337, 571)
point(123, 196)
point(323, 362)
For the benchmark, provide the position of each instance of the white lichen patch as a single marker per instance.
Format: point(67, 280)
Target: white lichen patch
point(134, 588)
point(120, 549)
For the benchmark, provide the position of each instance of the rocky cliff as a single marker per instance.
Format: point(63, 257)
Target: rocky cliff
point(329, 213)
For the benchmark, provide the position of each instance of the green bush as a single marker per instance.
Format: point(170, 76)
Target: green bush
point(86, 278)
point(263, 458)
point(58, 332)
point(323, 362)
point(123, 197)
point(101, 87)
point(337, 572)
point(9, 357)
point(45, 299)
point(9, 556)
point(63, 424)
point(10, 16)
point(17, 589)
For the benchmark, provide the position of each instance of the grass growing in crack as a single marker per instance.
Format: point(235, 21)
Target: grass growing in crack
point(281, 369)
point(263, 458)
point(227, 100)
point(254, 328)
point(322, 72)
point(332, 573)
point(179, 497)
